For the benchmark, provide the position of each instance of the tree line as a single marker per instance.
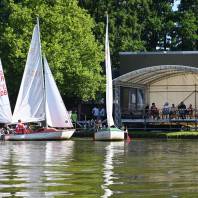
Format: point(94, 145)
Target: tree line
point(146, 25)
point(72, 35)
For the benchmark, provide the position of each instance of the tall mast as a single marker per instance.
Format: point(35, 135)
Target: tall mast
point(43, 73)
point(109, 86)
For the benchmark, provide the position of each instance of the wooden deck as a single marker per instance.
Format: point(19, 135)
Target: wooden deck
point(161, 124)
point(158, 120)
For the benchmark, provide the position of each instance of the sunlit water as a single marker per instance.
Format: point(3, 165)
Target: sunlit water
point(84, 168)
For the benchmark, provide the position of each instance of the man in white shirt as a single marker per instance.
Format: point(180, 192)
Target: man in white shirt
point(95, 113)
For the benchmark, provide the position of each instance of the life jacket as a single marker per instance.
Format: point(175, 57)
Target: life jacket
point(20, 128)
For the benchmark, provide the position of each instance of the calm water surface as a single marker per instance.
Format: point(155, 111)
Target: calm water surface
point(83, 168)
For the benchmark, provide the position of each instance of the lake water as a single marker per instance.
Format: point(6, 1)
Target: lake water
point(84, 168)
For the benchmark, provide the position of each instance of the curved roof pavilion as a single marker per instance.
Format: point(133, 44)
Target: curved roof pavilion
point(155, 77)
point(150, 75)
point(144, 68)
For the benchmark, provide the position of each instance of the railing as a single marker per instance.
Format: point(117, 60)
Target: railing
point(162, 114)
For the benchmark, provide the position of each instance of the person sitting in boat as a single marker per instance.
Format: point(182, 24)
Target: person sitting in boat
point(4, 129)
point(20, 127)
point(7, 129)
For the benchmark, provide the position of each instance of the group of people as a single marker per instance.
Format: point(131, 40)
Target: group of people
point(6, 129)
point(20, 128)
point(167, 111)
point(98, 113)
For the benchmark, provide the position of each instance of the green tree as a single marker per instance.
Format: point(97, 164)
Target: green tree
point(187, 26)
point(67, 41)
point(135, 25)
point(124, 24)
point(158, 25)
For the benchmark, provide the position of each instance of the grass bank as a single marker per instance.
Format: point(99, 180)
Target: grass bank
point(160, 134)
point(146, 134)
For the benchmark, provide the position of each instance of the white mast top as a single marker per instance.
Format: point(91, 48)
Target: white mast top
point(109, 86)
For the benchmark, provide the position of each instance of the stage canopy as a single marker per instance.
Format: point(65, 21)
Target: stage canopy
point(150, 75)
point(163, 83)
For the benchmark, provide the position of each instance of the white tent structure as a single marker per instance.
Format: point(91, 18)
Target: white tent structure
point(162, 83)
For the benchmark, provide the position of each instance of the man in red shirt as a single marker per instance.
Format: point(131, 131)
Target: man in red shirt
point(20, 127)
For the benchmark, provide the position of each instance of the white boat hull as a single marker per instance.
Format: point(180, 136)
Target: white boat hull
point(112, 134)
point(43, 135)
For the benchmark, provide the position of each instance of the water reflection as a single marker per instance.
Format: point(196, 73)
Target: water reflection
point(112, 149)
point(23, 166)
point(88, 169)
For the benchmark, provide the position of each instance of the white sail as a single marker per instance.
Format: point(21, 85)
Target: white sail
point(56, 113)
point(30, 104)
point(5, 110)
point(109, 86)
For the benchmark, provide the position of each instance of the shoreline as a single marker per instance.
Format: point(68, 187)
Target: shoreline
point(146, 134)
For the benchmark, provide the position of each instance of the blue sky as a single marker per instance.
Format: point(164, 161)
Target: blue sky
point(177, 2)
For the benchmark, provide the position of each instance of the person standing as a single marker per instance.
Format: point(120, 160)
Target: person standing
point(154, 111)
point(102, 113)
point(165, 111)
point(95, 113)
point(146, 112)
point(74, 118)
point(182, 110)
point(173, 112)
point(190, 111)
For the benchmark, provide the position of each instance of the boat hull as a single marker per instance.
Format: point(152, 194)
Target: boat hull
point(42, 135)
point(109, 134)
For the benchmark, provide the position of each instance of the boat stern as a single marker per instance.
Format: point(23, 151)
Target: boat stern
point(109, 134)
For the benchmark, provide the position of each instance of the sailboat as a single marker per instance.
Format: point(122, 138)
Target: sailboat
point(111, 132)
point(5, 110)
point(39, 99)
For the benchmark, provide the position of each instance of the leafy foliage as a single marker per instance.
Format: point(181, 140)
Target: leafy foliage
point(74, 53)
point(146, 25)
point(67, 41)
point(187, 27)
point(125, 24)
